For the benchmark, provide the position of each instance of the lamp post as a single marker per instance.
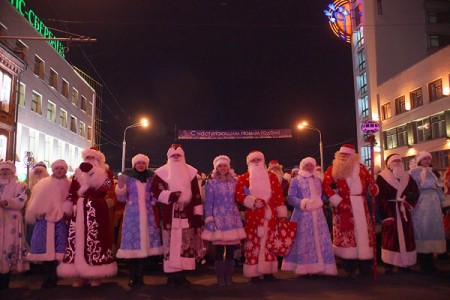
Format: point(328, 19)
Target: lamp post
point(305, 125)
point(143, 123)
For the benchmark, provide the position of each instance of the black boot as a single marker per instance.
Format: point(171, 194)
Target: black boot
point(51, 279)
point(365, 267)
point(229, 270)
point(427, 263)
point(220, 272)
point(133, 266)
point(181, 279)
point(140, 272)
point(350, 267)
point(388, 269)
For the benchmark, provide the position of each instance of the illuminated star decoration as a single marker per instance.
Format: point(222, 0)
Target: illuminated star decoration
point(340, 20)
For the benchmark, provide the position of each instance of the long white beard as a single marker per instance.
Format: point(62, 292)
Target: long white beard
point(259, 182)
point(398, 171)
point(179, 181)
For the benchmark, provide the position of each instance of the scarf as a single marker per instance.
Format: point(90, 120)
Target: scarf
point(141, 176)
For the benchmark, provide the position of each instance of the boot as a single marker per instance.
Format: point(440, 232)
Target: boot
point(350, 267)
point(181, 279)
point(133, 266)
point(140, 272)
point(4, 281)
point(220, 272)
point(426, 262)
point(229, 270)
point(51, 279)
point(365, 267)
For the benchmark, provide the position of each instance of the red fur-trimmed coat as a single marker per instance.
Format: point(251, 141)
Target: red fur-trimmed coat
point(89, 252)
point(258, 223)
point(338, 191)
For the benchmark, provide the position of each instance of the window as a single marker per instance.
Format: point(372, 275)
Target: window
point(73, 124)
point(60, 149)
point(444, 159)
point(438, 40)
point(380, 7)
point(438, 126)
point(48, 150)
point(51, 111)
point(39, 67)
point(365, 155)
point(3, 146)
point(21, 50)
point(36, 103)
point(391, 139)
point(33, 141)
point(5, 91)
point(434, 17)
point(359, 37)
point(63, 118)
point(435, 90)
point(65, 89)
point(361, 60)
point(74, 97)
point(400, 105)
point(423, 130)
point(21, 94)
point(402, 136)
point(363, 83)
point(364, 106)
point(386, 111)
point(53, 80)
point(416, 98)
point(431, 17)
point(358, 15)
point(89, 133)
point(89, 111)
point(82, 129)
point(83, 103)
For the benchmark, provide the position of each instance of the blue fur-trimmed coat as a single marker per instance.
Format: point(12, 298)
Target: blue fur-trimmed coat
point(140, 230)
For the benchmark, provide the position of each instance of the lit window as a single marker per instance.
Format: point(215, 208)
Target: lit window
point(21, 94)
point(89, 110)
point(82, 129)
point(5, 91)
point(435, 90)
point(65, 89)
point(83, 103)
point(363, 83)
point(3, 146)
point(359, 37)
point(74, 97)
point(89, 133)
point(386, 111)
point(39, 67)
point(364, 106)
point(48, 150)
point(53, 80)
point(400, 105)
point(438, 126)
point(361, 60)
point(73, 124)
point(416, 98)
point(63, 118)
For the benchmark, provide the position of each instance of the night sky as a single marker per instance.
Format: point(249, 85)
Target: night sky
point(212, 65)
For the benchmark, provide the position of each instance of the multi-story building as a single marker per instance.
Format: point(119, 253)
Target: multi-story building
point(388, 37)
point(56, 105)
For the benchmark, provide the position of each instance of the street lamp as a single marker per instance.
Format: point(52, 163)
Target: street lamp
point(305, 125)
point(143, 123)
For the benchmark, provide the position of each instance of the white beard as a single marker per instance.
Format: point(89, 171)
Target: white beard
point(259, 182)
point(179, 180)
point(398, 171)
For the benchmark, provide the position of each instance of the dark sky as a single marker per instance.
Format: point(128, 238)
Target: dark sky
point(212, 65)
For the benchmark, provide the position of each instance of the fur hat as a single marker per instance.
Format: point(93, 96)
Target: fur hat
point(221, 159)
point(391, 158)
point(8, 165)
point(140, 157)
point(274, 164)
point(307, 160)
point(347, 148)
point(95, 152)
point(255, 154)
point(60, 163)
point(40, 164)
point(175, 149)
point(421, 155)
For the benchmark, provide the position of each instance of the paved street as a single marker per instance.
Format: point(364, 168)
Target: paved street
point(396, 286)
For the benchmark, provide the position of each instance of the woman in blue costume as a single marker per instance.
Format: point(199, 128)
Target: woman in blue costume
point(427, 214)
point(140, 231)
point(312, 251)
point(223, 224)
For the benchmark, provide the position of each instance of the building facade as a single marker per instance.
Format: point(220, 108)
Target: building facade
point(55, 104)
point(389, 37)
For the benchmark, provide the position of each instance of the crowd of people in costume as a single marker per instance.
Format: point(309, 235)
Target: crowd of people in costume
point(79, 227)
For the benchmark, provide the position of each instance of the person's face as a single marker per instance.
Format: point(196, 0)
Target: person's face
point(256, 161)
point(223, 169)
point(59, 171)
point(176, 157)
point(308, 168)
point(140, 166)
point(396, 163)
point(38, 172)
point(425, 162)
point(92, 160)
point(344, 156)
point(5, 173)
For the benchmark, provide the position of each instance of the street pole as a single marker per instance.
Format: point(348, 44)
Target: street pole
point(322, 170)
point(143, 123)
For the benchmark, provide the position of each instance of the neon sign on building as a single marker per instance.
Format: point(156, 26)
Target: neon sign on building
point(40, 27)
point(339, 17)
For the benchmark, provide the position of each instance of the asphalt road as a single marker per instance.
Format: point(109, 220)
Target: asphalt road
point(396, 286)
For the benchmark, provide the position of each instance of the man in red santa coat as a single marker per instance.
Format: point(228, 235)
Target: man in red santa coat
point(346, 183)
point(175, 186)
point(275, 167)
point(89, 253)
point(260, 192)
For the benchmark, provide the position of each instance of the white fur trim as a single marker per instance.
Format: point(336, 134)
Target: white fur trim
point(352, 252)
point(221, 159)
point(392, 158)
point(224, 236)
point(187, 263)
point(249, 202)
point(60, 163)
point(263, 267)
point(282, 211)
point(421, 155)
point(303, 203)
point(163, 172)
point(437, 246)
point(164, 196)
point(92, 152)
point(335, 200)
point(209, 219)
point(307, 160)
point(399, 259)
point(316, 268)
point(198, 210)
point(347, 150)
